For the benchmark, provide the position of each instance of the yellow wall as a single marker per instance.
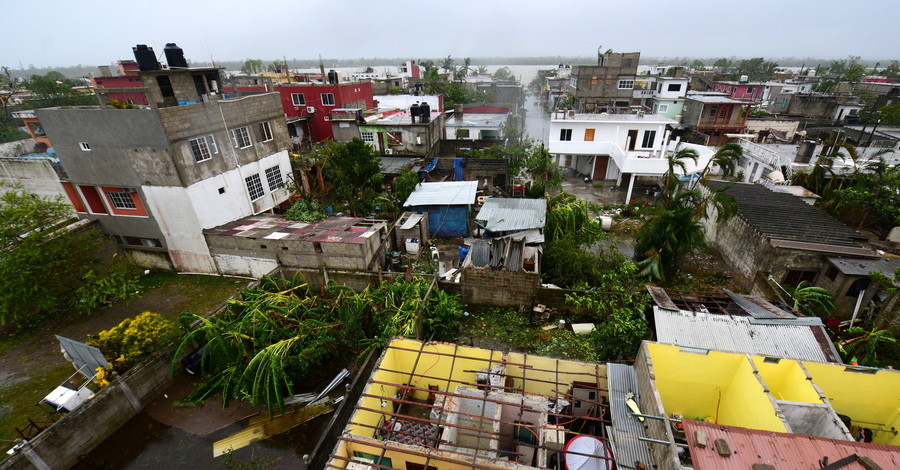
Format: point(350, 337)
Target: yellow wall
point(870, 400)
point(715, 385)
point(786, 380)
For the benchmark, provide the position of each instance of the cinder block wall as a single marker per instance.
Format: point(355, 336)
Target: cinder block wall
point(499, 287)
point(664, 456)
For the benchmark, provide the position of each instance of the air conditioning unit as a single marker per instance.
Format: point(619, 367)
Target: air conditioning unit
point(311, 109)
point(388, 151)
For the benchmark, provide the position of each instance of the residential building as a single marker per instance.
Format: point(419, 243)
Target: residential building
point(128, 77)
point(610, 146)
point(741, 90)
point(308, 106)
point(784, 399)
point(416, 131)
point(667, 96)
point(777, 239)
point(715, 115)
point(156, 176)
point(476, 123)
point(607, 86)
point(391, 102)
point(828, 107)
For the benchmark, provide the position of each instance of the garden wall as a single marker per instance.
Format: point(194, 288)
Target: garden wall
point(78, 432)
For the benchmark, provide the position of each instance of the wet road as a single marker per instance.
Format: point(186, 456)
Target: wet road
point(537, 121)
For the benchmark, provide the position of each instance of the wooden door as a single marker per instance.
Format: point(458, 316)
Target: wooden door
point(600, 164)
point(589, 135)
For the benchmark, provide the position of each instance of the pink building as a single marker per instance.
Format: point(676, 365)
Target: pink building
point(741, 90)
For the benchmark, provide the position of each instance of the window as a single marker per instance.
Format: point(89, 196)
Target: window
point(674, 87)
point(649, 137)
point(723, 112)
point(796, 276)
point(626, 84)
point(85, 147)
point(212, 144)
point(565, 134)
point(200, 149)
point(832, 273)
point(265, 132)
point(593, 80)
point(273, 178)
point(254, 187)
point(328, 99)
point(298, 99)
point(712, 112)
point(37, 129)
point(462, 134)
point(749, 90)
point(395, 138)
point(137, 241)
point(858, 287)
point(121, 200)
point(367, 136)
point(663, 108)
point(240, 138)
point(589, 135)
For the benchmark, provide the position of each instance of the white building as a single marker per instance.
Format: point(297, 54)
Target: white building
point(608, 146)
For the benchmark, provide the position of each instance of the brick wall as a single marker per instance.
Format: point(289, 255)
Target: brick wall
point(486, 286)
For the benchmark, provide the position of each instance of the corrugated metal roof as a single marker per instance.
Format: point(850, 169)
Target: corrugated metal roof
point(757, 307)
point(447, 193)
point(743, 335)
point(504, 214)
point(625, 429)
point(780, 450)
point(862, 267)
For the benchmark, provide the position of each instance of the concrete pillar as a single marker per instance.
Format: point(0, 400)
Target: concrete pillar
point(630, 187)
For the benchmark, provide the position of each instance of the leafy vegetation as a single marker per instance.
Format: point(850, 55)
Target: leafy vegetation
point(673, 228)
point(866, 343)
point(279, 334)
point(305, 210)
point(811, 300)
point(354, 172)
point(133, 340)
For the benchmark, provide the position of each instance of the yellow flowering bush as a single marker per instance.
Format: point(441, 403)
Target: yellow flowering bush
point(133, 340)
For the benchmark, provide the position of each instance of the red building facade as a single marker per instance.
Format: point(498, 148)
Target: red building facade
point(741, 90)
point(311, 104)
point(127, 78)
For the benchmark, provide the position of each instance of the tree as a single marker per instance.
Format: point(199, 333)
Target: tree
point(447, 64)
point(724, 64)
point(467, 63)
point(48, 91)
point(277, 67)
point(811, 300)
point(698, 64)
point(619, 326)
point(252, 67)
point(570, 217)
point(355, 174)
point(41, 264)
point(504, 74)
point(673, 228)
point(866, 343)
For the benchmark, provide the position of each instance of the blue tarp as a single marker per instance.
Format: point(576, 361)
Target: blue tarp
point(457, 169)
point(446, 221)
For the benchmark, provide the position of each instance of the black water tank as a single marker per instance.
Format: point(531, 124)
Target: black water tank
point(425, 112)
point(415, 110)
point(175, 56)
point(332, 77)
point(145, 57)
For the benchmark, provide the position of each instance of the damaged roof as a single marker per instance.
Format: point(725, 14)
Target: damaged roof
point(506, 214)
point(352, 230)
point(781, 216)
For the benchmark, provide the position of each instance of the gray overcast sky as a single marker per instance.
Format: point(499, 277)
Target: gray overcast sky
point(65, 32)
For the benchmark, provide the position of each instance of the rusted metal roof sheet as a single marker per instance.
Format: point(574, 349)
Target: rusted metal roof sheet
point(757, 307)
point(783, 451)
point(740, 334)
point(661, 298)
point(626, 430)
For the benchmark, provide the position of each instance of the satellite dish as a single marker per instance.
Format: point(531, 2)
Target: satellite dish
point(587, 453)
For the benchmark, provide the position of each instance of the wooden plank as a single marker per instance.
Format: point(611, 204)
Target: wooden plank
point(265, 428)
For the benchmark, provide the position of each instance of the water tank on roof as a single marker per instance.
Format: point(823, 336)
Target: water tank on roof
point(425, 112)
point(332, 77)
point(415, 111)
point(145, 57)
point(744, 79)
point(175, 56)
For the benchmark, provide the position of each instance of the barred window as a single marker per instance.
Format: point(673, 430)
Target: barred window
point(254, 187)
point(121, 200)
point(273, 178)
point(367, 136)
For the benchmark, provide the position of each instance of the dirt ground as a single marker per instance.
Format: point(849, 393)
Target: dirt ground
point(31, 364)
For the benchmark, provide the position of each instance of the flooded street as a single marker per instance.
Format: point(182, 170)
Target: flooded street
point(537, 121)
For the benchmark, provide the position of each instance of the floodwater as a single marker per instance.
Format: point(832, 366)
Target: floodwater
point(537, 121)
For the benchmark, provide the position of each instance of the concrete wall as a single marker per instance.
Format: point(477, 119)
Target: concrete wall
point(650, 402)
point(16, 148)
point(37, 175)
point(741, 248)
point(486, 286)
point(596, 87)
point(781, 125)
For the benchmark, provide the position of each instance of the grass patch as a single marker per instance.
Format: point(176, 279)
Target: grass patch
point(18, 401)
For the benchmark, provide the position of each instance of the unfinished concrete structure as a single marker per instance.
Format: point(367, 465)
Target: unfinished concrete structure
point(257, 245)
point(155, 177)
point(608, 86)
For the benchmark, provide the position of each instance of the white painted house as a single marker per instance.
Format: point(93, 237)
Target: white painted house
point(608, 146)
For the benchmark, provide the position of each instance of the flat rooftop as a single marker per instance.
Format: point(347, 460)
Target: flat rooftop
point(715, 98)
point(350, 230)
point(397, 118)
point(605, 117)
point(477, 120)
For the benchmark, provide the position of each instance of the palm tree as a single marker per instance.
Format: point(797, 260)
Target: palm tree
point(674, 226)
point(811, 300)
point(867, 344)
point(447, 64)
